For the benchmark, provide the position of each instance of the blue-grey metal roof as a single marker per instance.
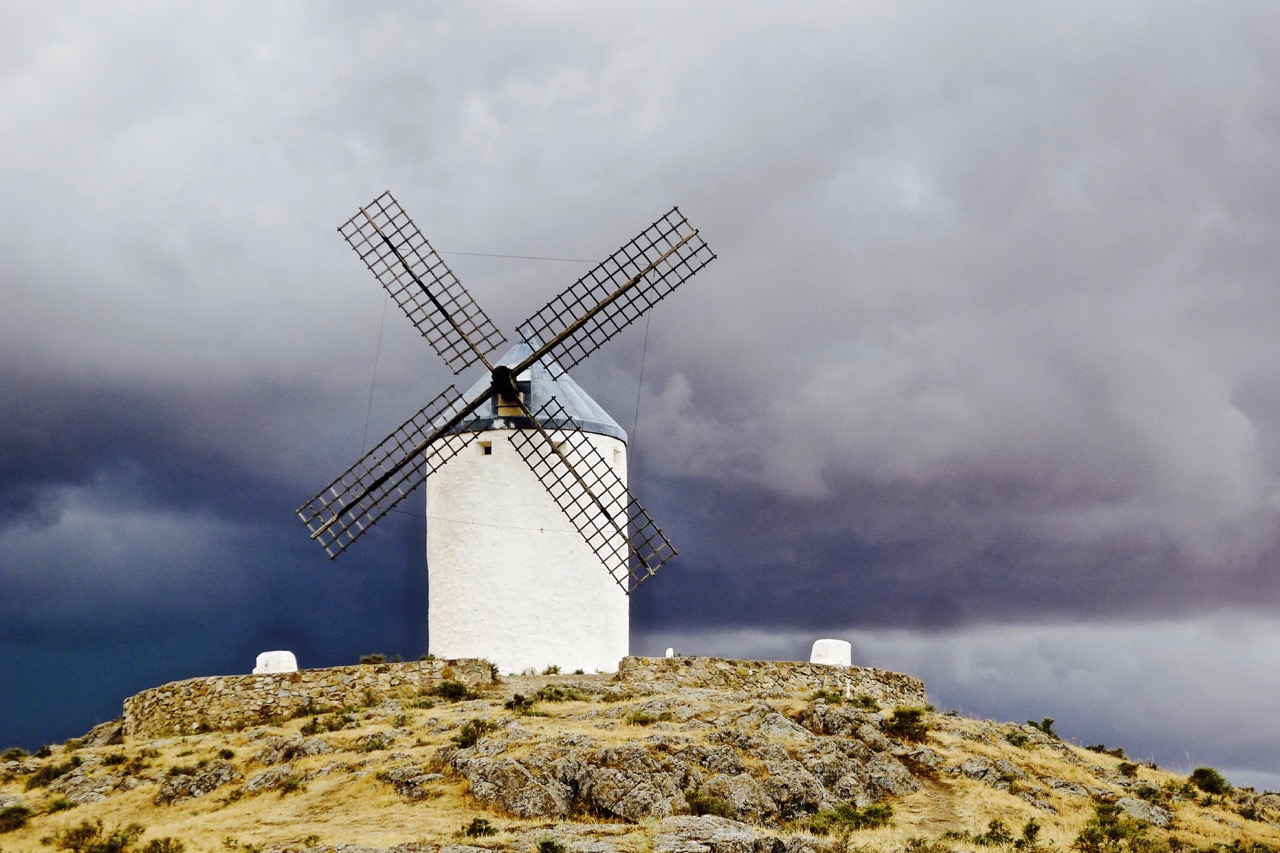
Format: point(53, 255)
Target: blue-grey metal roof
point(545, 379)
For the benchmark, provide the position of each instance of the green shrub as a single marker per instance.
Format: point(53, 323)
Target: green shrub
point(46, 774)
point(90, 837)
point(997, 834)
point(470, 732)
point(478, 828)
point(1101, 748)
point(292, 784)
point(375, 742)
point(701, 804)
point(375, 658)
point(450, 691)
point(831, 697)
point(849, 816)
point(554, 669)
point(59, 804)
point(1109, 831)
point(907, 724)
point(1029, 841)
point(1209, 780)
point(14, 753)
point(1018, 739)
point(14, 817)
point(226, 754)
point(1045, 725)
point(164, 845)
point(550, 845)
point(524, 706)
point(115, 759)
point(556, 693)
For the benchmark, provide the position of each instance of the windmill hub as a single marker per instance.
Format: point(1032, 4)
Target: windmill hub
point(537, 422)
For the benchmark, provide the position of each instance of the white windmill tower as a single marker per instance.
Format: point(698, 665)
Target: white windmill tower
point(534, 541)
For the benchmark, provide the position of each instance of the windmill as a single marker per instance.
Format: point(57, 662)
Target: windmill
point(506, 584)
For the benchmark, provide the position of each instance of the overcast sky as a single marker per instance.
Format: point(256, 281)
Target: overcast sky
point(983, 379)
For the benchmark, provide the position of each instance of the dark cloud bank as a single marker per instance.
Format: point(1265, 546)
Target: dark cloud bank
point(982, 380)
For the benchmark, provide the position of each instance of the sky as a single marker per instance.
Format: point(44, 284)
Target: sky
point(982, 379)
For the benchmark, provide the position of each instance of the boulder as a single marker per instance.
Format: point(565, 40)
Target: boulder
point(510, 785)
point(268, 780)
point(744, 796)
point(1141, 810)
point(708, 834)
point(281, 749)
point(206, 780)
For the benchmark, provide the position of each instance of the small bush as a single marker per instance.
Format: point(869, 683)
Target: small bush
point(1018, 739)
point(1150, 793)
point(450, 691)
point(997, 834)
point(375, 658)
point(14, 817)
point(550, 845)
point(907, 724)
point(164, 845)
point(46, 774)
point(14, 753)
point(554, 669)
point(702, 804)
point(556, 693)
point(292, 784)
point(90, 837)
point(831, 697)
point(59, 804)
point(470, 732)
point(479, 828)
point(849, 816)
point(1210, 781)
point(1045, 725)
point(226, 754)
point(524, 706)
point(1101, 748)
point(1109, 831)
point(1128, 768)
point(1030, 838)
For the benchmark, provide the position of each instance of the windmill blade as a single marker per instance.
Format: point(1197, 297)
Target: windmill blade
point(369, 489)
point(606, 300)
point(426, 290)
point(593, 497)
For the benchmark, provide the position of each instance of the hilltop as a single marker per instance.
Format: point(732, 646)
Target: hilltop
point(642, 761)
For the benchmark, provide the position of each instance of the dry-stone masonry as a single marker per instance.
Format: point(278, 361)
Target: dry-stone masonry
point(771, 679)
point(234, 701)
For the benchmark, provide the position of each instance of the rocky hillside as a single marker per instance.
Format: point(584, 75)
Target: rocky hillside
point(591, 764)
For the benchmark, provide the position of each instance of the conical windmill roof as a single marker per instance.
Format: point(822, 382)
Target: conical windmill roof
point(545, 379)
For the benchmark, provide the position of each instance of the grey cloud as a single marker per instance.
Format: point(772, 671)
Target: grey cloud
point(990, 338)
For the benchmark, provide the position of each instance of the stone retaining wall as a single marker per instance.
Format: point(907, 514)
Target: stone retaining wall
point(234, 701)
point(772, 679)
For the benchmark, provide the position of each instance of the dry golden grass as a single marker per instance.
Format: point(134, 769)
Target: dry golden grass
point(352, 805)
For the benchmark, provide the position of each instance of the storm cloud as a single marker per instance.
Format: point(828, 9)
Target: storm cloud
point(984, 368)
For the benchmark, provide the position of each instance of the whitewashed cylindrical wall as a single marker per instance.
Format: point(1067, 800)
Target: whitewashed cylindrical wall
point(510, 578)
